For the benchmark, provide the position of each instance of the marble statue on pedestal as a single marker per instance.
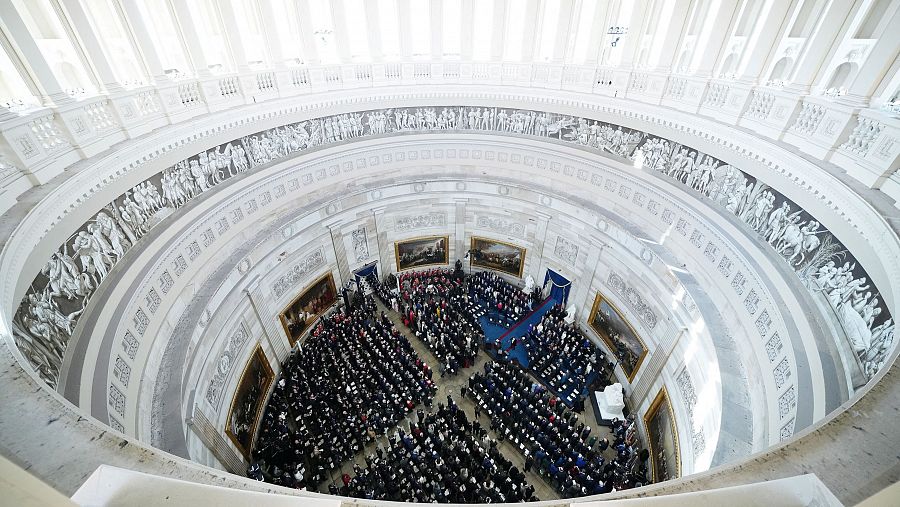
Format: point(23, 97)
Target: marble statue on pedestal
point(529, 284)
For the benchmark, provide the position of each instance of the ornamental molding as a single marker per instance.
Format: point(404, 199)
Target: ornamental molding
point(224, 364)
point(689, 395)
point(501, 225)
point(633, 300)
point(360, 244)
point(423, 221)
point(566, 250)
point(298, 272)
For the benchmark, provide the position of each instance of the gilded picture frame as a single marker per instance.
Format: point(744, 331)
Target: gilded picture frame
point(662, 436)
point(604, 318)
point(499, 256)
point(305, 309)
point(249, 401)
point(421, 252)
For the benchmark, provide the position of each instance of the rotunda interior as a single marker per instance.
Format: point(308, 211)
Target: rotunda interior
point(372, 251)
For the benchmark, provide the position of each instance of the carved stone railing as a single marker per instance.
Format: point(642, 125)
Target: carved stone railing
point(770, 111)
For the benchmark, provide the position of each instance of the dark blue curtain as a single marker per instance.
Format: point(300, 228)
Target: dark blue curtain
point(560, 286)
point(366, 271)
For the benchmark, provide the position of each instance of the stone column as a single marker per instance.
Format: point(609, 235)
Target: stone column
point(373, 18)
point(404, 23)
point(652, 366)
point(460, 231)
point(714, 43)
point(676, 25)
point(437, 29)
point(270, 320)
point(384, 253)
point(499, 33)
point(308, 40)
point(598, 31)
point(50, 91)
point(762, 45)
point(806, 69)
point(874, 69)
point(540, 237)
point(341, 30)
point(143, 39)
point(233, 36)
point(216, 442)
point(633, 39)
point(340, 251)
point(273, 44)
point(583, 298)
point(563, 23)
point(192, 42)
point(92, 46)
point(534, 13)
point(466, 30)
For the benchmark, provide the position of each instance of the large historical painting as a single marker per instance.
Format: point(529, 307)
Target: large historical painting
point(618, 334)
point(248, 402)
point(499, 256)
point(662, 433)
point(308, 306)
point(418, 252)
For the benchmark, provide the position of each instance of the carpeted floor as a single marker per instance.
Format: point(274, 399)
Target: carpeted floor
point(505, 337)
point(494, 332)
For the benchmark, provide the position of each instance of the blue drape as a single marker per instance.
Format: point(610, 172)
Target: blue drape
point(366, 271)
point(560, 287)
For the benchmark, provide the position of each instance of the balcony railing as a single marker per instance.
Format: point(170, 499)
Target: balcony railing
point(31, 137)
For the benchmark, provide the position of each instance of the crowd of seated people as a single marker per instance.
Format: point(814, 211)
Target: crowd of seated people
point(496, 294)
point(562, 357)
point(435, 306)
point(353, 379)
point(562, 448)
point(441, 458)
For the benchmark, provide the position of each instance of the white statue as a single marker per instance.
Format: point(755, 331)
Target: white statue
point(529, 284)
point(570, 314)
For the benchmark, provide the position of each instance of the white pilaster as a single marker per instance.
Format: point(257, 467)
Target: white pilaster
point(373, 30)
point(51, 91)
point(233, 36)
point(143, 40)
point(499, 30)
point(717, 27)
point(92, 46)
point(341, 30)
point(308, 40)
point(563, 24)
point(534, 14)
point(192, 42)
point(437, 29)
point(404, 22)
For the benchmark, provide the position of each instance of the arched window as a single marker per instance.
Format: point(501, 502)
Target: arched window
point(730, 65)
point(108, 27)
point(44, 25)
point(840, 78)
point(781, 70)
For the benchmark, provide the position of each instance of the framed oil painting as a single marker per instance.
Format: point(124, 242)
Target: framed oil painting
point(618, 335)
point(499, 256)
point(249, 401)
point(307, 307)
point(659, 421)
point(419, 252)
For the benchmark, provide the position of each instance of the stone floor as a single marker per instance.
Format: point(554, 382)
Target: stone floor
point(451, 385)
